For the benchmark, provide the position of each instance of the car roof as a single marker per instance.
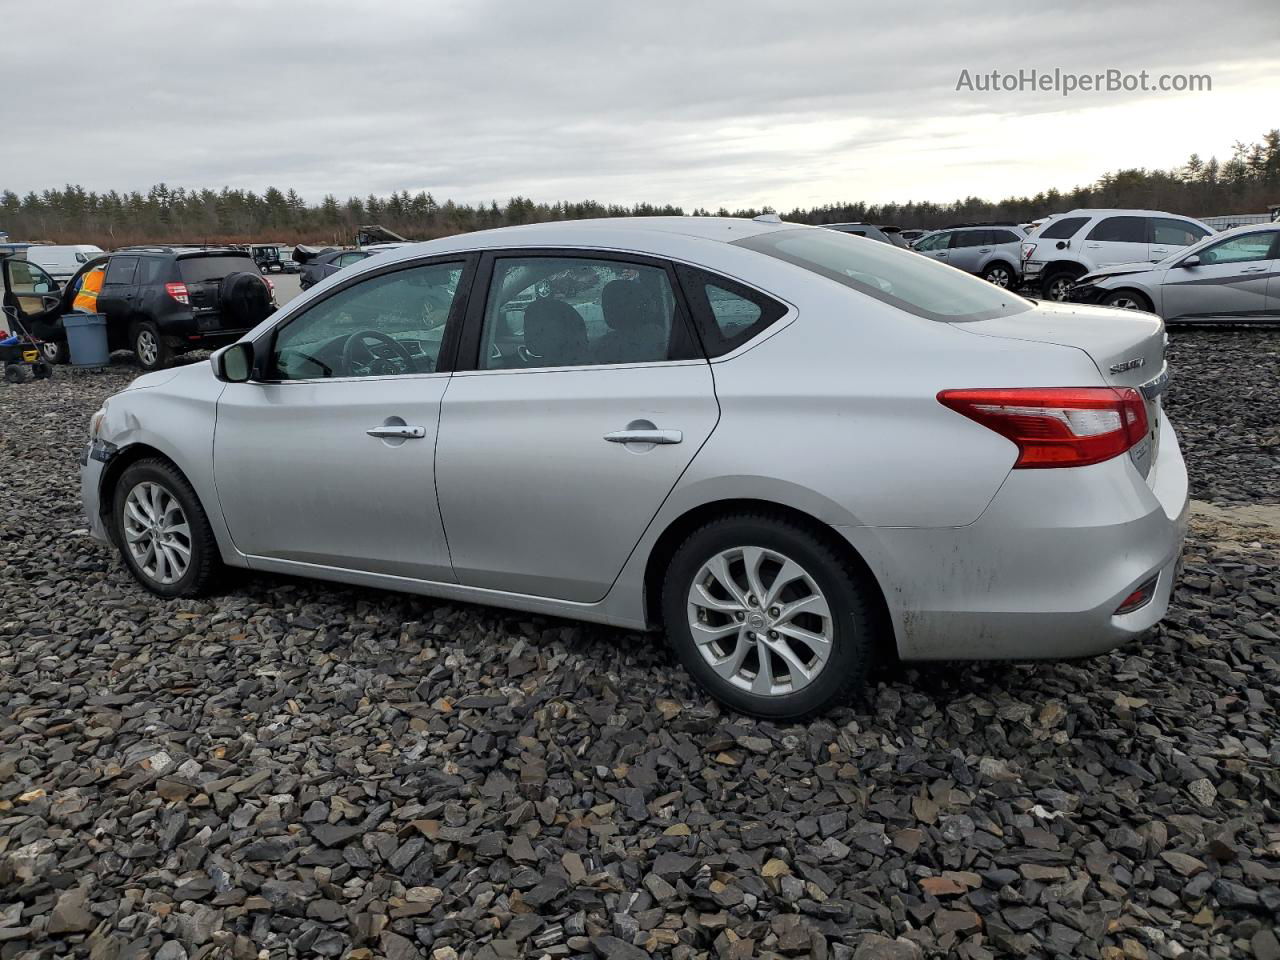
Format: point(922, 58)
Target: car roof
point(639, 234)
point(1123, 211)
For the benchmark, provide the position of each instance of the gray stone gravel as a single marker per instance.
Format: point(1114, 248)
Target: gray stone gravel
point(298, 769)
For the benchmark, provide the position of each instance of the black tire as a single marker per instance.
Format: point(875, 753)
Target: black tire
point(16, 373)
point(1001, 274)
point(148, 346)
point(55, 351)
point(41, 370)
point(1056, 286)
point(205, 565)
point(1127, 300)
point(849, 595)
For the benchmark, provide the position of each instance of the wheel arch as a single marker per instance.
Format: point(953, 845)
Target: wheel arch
point(124, 458)
point(1063, 266)
point(679, 529)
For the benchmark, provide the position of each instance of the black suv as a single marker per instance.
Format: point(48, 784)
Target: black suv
point(161, 301)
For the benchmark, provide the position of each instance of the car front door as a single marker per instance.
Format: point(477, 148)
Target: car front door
point(325, 459)
point(30, 295)
point(1234, 280)
point(1120, 239)
point(936, 246)
point(585, 402)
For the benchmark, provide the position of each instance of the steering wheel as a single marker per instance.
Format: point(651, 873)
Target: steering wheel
point(358, 338)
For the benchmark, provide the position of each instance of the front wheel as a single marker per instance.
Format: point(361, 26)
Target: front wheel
point(149, 347)
point(1127, 300)
point(162, 531)
point(1000, 274)
point(54, 351)
point(768, 618)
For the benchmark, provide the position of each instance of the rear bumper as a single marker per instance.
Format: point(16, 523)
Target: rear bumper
point(1041, 573)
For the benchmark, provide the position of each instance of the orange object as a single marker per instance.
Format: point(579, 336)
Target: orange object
point(87, 298)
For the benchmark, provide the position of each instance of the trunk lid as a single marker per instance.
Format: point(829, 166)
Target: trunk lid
point(1126, 346)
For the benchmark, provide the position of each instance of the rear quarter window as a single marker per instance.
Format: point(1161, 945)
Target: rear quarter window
point(727, 314)
point(202, 269)
point(918, 285)
point(1063, 229)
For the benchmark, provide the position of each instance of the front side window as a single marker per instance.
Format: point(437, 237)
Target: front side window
point(1063, 229)
point(26, 277)
point(1243, 249)
point(918, 285)
point(121, 269)
point(1119, 230)
point(349, 258)
point(571, 311)
point(937, 241)
point(1175, 233)
point(388, 325)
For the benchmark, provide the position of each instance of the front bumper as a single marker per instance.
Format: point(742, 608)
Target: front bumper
point(93, 461)
point(1086, 293)
point(1041, 573)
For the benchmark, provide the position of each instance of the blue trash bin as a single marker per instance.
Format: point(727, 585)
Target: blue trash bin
point(87, 339)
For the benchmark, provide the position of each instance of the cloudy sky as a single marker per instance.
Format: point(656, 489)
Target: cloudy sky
point(697, 103)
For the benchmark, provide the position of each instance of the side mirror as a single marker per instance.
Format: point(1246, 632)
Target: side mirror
point(1191, 261)
point(233, 364)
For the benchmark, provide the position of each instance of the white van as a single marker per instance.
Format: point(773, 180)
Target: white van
point(61, 261)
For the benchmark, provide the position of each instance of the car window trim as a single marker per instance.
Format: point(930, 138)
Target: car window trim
point(106, 278)
point(467, 359)
point(1272, 253)
point(264, 344)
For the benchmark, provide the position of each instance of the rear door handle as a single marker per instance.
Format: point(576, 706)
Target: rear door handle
point(397, 432)
point(645, 436)
point(1253, 270)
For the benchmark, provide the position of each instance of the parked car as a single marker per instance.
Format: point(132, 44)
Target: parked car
point(992, 253)
point(859, 230)
point(271, 257)
point(895, 236)
point(327, 264)
point(792, 450)
point(1065, 248)
point(912, 235)
point(61, 261)
point(162, 301)
point(1231, 277)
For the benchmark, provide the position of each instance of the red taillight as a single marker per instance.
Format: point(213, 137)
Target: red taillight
point(1027, 250)
point(178, 291)
point(1057, 426)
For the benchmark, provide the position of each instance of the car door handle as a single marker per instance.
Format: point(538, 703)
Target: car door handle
point(645, 436)
point(395, 432)
point(984, 249)
point(941, 256)
point(1253, 270)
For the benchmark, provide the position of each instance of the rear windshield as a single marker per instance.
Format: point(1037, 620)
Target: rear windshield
point(902, 278)
point(198, 269)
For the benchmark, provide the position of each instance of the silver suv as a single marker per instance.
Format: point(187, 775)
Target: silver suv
point(992, 252)
point(1063, 249)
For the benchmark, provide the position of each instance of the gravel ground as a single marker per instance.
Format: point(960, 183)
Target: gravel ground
point(296, 769)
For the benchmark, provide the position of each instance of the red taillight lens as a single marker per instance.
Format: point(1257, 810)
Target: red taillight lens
point(1139, 598)
point(1057, 426)
point(178, 291)
point(1027, 250)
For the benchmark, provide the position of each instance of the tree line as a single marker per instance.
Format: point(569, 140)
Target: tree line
point(1247, 182)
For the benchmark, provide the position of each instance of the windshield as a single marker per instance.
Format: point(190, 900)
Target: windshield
point(901, 278)
point(200, 269)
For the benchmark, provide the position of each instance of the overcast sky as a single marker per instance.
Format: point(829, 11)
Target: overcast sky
point(739, 103)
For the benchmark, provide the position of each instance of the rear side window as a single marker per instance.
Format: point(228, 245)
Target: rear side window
point(1175, 233)
point(152, 270)
point(727, 313)
point(1063, 229)
point(1120, 230)
point(971, 238)
point(918, 285)
point(121, 269)
point(201, 269)
point(1004, 236)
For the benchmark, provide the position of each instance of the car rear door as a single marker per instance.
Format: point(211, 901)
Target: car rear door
point(1119, 239)
point(1169, 234)
point(119, 295)
point(968, 248)
point(579, 400)
point(1234, 280)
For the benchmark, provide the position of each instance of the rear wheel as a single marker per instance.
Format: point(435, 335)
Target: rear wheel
point(1127, 300)
point(1057, 286)
point(162, 531)
point(767, 617)
point(1000, 274)
point(148, 346)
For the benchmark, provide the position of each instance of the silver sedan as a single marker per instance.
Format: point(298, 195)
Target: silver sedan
point(1231, 277)
point(792, 450)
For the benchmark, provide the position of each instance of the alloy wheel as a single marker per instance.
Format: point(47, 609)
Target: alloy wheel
point(156, 533)
point(1125, 303)
point(1058, 289)
point(760, 621)
point(148, 349)
point(999, 276)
